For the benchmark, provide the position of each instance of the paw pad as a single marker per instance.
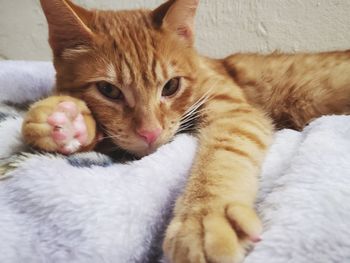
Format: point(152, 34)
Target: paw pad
point(69, 130)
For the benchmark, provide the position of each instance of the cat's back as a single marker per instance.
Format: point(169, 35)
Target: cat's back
point(277, 67)
point(294, 88)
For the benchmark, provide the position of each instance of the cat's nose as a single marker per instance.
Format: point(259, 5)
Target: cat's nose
point(150, 136)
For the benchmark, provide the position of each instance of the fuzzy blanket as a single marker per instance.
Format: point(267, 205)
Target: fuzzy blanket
point(87, 208)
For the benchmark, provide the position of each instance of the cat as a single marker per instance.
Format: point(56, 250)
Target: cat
point(136, 78)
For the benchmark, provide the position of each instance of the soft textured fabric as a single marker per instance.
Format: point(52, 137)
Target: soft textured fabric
point(24, 81)
point(304, 199)
point(87, 208)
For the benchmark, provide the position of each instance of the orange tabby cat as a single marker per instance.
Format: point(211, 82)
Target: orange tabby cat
point(137, 75)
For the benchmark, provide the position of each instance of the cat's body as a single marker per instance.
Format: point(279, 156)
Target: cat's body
point(294, 88)
point(140, 76)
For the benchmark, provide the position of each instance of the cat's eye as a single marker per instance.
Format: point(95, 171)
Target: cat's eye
point(171, 87)
point(110, 91)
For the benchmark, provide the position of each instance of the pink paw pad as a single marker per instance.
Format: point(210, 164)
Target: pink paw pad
point(69, 130)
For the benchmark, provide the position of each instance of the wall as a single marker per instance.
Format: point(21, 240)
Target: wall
point(223, 26)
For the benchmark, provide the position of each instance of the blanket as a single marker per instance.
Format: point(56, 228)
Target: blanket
point(89, 208)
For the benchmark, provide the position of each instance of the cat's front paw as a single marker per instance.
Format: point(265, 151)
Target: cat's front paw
point(217, 233)
point(59, 124)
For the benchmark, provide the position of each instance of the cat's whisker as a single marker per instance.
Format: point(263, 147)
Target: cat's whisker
point(186, 121)
point(194, 107)
point(110, 135)
point(195, 115)
point(200, 111)
point(189, 121)
point(106, 131)
point(185, 128)
point(205, 97)
point(194, 112)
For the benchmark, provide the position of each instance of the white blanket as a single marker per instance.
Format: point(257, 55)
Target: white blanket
point(86, 208)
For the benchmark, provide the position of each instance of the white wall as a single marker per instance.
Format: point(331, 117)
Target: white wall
point(224, 26)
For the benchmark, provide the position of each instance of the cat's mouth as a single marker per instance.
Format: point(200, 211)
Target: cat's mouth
point(136, 144)
point(136, 147)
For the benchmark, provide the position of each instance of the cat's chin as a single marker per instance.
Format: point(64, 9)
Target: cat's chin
point(147, 151)
point(141, 151)
point(139, 148)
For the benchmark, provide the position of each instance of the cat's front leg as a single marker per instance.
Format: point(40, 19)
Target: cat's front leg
point(60, 124)
point(214, 220)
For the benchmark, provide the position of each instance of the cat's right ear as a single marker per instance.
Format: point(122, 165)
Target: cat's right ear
point(67, 25)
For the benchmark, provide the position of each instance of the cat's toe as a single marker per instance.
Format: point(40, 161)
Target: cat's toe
point(68, 107)
point(81, 133)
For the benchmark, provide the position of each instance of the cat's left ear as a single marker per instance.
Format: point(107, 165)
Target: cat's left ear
point(178, 16)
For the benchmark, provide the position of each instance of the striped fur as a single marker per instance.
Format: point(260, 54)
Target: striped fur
point(229, 100)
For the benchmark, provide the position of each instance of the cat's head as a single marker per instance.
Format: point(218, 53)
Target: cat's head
point(135, 69)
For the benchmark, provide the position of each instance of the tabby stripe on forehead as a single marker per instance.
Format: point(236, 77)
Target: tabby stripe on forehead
point(132, 48)
point(137, 37)
point(128, 63)
point(152, 61)
point(164, 70)
point(148, 54)
point(150, 58)
point(137, 47)
point(154, 65)
point(140, 40)
point(119, 57)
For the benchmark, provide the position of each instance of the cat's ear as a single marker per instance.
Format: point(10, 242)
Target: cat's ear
point(67, 24)
point(177, 16)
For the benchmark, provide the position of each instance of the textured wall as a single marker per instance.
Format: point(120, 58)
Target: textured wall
point(224, 26)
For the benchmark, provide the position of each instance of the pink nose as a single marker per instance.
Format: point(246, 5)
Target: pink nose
point(150, 136)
